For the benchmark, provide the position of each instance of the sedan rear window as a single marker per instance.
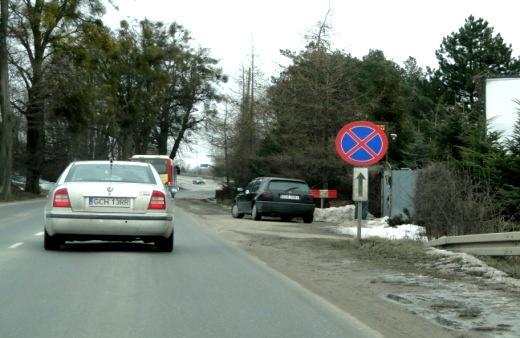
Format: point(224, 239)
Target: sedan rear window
point(110, 173)
point(288, 186)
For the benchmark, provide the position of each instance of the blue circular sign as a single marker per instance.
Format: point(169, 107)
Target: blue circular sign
point(361, 143)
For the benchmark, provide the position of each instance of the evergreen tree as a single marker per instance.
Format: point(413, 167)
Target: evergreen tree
point(513, 143)
point(465, 57)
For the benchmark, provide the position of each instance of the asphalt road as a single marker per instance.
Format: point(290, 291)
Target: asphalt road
point(205, 288)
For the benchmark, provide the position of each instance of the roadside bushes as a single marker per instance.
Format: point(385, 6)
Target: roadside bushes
point(449, 203)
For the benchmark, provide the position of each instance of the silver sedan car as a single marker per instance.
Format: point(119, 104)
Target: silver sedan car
point(114, 201)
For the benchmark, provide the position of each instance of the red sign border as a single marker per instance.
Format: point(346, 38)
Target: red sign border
point(351, 125)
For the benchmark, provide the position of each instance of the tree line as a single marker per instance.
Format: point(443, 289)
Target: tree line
point(80, 90)
point(437, 114)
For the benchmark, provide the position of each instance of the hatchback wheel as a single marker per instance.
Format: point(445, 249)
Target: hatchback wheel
point(50, 242)
point(235, 213)
point(255, 214)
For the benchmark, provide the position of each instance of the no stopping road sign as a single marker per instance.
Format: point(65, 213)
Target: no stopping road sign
point(361, 143)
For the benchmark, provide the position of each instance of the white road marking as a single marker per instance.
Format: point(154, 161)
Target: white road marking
point(15, 245)
point(39, 233)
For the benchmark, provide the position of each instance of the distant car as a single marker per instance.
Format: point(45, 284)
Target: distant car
point(46, 185)
point(101, 200)
point(19, 181)
point(199, 180)
point(273, 196)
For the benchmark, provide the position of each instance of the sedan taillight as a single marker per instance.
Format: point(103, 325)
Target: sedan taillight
point(61, 198)
point(158, 200)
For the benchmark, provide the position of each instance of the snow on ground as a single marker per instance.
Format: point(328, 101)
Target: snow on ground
point(335, 215)
point(375, 227)
point(447, 261)
point(404, 231)
point(460, 262)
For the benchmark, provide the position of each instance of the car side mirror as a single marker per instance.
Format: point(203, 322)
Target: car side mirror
point(177, 169)
point(240, 189)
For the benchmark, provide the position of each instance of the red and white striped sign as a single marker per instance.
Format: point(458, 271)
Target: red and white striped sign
point(324, 193)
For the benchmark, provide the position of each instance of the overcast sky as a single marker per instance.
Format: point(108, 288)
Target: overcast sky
point(400, 28)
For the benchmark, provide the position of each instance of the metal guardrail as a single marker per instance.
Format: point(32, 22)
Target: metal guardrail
point(495, 244)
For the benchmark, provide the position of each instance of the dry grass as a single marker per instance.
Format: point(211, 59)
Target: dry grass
point(508, 264)
point(397, 252)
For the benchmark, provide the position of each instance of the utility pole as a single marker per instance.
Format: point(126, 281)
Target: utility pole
point(6, 144)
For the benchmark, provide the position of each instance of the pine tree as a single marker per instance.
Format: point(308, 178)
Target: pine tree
point(513, 144)
point(468, 55)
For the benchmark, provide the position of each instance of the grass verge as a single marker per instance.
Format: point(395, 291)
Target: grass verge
point(508, 264)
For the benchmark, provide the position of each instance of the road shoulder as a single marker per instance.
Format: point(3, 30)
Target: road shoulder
point(314, 257)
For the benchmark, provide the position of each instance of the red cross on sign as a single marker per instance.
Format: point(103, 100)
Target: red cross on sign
point(361, 143)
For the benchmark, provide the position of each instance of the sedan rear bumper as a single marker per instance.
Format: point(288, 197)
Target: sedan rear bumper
point(284, 208)
point(160, 225)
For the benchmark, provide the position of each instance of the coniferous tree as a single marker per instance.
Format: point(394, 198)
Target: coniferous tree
point(514, 142)
point(465, 57)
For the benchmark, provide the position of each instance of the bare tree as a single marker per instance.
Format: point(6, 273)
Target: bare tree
point(6, 145)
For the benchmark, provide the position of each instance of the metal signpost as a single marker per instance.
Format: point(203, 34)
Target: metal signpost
point(361, 144)
point(323, 194)
point(360, 192)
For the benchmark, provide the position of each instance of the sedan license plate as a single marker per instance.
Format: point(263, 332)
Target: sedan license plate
point(290, 197)
point(112, 202)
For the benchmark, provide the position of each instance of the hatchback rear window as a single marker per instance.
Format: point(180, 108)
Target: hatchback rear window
point(288, 186)
point(110, 173)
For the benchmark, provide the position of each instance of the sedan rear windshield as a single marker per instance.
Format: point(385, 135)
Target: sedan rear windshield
point(288, 186)
point(110, 173)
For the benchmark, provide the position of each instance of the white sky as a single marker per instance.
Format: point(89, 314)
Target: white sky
point(400, 28)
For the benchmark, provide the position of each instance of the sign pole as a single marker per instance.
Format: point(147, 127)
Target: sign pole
point(359, 215)
point(322, 201)
point(359, 193)
point(361, 144)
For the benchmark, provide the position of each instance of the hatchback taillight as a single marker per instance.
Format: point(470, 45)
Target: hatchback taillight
point(158, 200)
point(266, 196)
point(61, 198)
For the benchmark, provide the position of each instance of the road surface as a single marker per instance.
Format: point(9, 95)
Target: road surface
point(205, 288)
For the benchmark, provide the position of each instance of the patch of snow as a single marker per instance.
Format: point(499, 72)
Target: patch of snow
point(375, 227)
point(463, 263)
point(404, 231)
point(334, 214)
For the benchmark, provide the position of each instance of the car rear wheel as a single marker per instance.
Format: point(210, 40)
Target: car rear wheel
point(50, 242)
point(308, 219)
point(235, 213)
point(255, 214)
point(165, 244)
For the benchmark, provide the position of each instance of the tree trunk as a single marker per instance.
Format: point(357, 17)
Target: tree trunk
point(6, 145)
point(35, 147)
point(162, 143)
point(177, 143)
point(180, 135)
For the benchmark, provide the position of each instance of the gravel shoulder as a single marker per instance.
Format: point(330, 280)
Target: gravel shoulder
point(329, 265)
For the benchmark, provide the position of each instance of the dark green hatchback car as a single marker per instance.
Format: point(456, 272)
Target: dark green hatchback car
point(274, 196)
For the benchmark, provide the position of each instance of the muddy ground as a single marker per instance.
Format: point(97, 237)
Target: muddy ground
point(406, 293)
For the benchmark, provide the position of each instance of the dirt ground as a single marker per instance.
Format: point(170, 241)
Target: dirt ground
point(397, 297)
